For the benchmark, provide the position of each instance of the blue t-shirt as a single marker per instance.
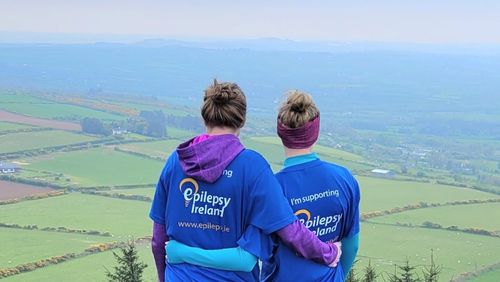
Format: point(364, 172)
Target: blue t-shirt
point(214, 215)
point(325, 198)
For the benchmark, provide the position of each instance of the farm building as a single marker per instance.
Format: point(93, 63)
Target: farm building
point(119, 131)
point(8, 168)
point(383, 173)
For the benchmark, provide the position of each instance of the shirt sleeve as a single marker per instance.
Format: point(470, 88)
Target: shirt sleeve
point(159, 205)
point(268, 208)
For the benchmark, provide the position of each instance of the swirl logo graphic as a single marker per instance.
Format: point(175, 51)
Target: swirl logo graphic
point(304, 212)
point(188, 187)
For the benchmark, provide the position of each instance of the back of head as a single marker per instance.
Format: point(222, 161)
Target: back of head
point(297, 110)
point(224, 105)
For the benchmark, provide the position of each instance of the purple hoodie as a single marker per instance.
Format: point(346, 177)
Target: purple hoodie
point(204, 158)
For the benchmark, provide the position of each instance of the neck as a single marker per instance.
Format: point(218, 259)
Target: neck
point(297, 152)
point(218, 130)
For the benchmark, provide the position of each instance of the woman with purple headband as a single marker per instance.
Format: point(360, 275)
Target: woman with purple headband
point(324, 196)
point(215, 194)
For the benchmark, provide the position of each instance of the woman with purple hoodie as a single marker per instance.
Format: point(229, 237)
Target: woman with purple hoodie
point(215, 194)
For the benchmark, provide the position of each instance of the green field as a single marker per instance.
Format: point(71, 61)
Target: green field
point(484, 216)
point(122, 218)
point(331, 152)
point(161, 149)
point(35, 140)
point(29, 246)
point(4, 126)
point(491, 276)
point(136, 191)
point(89, 268)
point(272, 149)
point(180, 134)
point(457, 252)
point(101, 166)
point(36, 107)
point(380, 194)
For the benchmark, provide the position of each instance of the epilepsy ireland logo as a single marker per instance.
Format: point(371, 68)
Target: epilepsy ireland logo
point(188, 187)
point(201, 201)
point(319, 225)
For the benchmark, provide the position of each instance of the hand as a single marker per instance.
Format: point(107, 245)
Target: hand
point(338, 246)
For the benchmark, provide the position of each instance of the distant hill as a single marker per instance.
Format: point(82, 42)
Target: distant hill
point(379, 80)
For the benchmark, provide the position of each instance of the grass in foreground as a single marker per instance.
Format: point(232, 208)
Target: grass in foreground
point(29, 246)
point(90, 268)
point(457, 252)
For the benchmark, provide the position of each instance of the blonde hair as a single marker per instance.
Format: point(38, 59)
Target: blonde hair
point(224, 104)
point(297, 110)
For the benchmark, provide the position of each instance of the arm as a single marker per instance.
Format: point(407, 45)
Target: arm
point(231, 259)
point(297, 237)
point(158, 248)
point(349, 252)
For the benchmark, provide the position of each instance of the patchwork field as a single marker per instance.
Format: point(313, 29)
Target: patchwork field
point(35, 140)
point(382, 241)
point(100, 167)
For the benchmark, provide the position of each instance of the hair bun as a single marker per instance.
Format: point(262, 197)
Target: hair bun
point(222, 93)
point(221, 97)
point(299, 102)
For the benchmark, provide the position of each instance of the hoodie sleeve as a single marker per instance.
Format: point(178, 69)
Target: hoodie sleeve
point(300, 239)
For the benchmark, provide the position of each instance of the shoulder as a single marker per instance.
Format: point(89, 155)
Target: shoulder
point(341, 172)
point(338, 169)
point(170, 164)
point(253, 158)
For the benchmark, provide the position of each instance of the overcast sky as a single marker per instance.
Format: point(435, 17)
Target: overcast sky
point(416, 21)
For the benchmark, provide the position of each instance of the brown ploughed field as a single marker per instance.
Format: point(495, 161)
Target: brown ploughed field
point(12, 190)
point(63, 125)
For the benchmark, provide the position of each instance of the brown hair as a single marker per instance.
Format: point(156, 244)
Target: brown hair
point(297, 110)
point(224, 104)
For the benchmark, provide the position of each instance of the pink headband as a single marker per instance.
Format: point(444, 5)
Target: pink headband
point(300, 137)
